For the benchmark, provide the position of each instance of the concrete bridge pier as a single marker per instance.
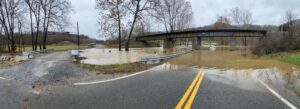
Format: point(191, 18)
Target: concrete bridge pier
point(196, 43)
point(169, 43)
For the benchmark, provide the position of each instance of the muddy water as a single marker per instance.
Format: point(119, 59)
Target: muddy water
point(229, 59)
point(113, 56)
point(107, 56)
point(233, 68)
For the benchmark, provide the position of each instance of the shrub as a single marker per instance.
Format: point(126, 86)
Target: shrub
point(276, 42)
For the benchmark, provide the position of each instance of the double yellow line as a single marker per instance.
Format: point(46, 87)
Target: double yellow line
point(194, 87)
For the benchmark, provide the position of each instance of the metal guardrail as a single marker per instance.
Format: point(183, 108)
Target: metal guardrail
point(158, 59)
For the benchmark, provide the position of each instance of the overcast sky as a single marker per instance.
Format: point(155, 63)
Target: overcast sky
point(205, 12)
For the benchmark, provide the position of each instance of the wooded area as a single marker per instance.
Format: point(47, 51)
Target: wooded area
point(33, 17)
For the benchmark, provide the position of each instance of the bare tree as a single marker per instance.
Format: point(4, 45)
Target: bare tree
point(136, 9)
point(55, 14)
point(30, 7)
point(222, 22)
point(35, 18)
point(21, 19)
point(235, 14)
point(173, 14)
point(246, 18)
point(143, 26)
point(243, 19)
point(8, 12)
point(290, 18)
point(111, 14)
point(45, 14)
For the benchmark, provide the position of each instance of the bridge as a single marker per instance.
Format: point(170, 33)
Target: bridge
point(169, 38)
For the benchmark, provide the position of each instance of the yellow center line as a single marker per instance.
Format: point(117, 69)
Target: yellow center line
point(187, 93)
point(194, 93)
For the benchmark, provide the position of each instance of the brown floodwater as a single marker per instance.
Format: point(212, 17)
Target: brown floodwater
point(107, 56)
point(229, 60)
point(241, 70)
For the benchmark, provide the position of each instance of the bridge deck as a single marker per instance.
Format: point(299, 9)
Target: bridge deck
point(205, 33)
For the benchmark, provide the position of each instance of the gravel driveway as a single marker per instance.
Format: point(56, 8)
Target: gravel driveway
point(48, 69)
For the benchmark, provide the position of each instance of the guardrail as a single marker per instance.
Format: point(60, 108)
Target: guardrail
point(158, 59)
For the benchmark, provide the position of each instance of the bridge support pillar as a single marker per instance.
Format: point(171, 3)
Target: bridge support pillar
point(169, 44)
point(196, 43)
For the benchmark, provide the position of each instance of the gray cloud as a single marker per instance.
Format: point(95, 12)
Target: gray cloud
point(205, 12)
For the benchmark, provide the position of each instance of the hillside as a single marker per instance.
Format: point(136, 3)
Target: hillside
point(62, 38)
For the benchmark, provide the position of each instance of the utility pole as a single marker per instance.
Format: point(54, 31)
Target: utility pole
point(78, 43)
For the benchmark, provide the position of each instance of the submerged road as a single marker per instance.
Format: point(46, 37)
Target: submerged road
point(165, 88)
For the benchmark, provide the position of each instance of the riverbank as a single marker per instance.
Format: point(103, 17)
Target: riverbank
point(293, 58)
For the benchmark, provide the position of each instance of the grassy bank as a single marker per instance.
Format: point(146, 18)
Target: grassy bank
point(118, 68)
point(293, 58)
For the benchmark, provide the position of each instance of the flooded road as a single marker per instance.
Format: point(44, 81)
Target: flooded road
point(229, 59)
point(164, 85)
point(242, 71)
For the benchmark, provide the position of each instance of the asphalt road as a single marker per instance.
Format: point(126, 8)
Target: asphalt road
point(161, 88)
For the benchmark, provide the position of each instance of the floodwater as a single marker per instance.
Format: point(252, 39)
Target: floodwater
point(229, 59)
point(242, 71)
point(114, 56)
point(107, 56)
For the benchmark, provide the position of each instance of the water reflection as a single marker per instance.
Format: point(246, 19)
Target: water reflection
point(233, 68)
point(168, 67)
point(229, 59)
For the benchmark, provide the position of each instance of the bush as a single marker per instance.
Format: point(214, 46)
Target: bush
point(276, 43)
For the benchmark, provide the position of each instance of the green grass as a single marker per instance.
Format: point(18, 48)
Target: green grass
point(118, 68)
point(7, 64)
point(59, 47)
point(293, 58)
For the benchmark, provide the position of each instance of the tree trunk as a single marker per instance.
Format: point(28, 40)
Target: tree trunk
point(132, 26)
point(130, 34)
point(119, 25)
